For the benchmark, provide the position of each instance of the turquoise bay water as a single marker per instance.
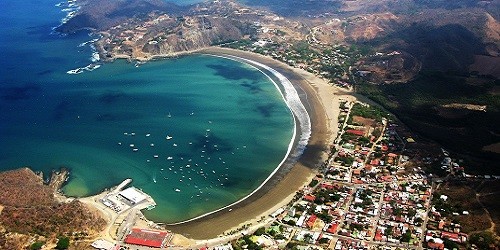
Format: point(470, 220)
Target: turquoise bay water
point(229, 125)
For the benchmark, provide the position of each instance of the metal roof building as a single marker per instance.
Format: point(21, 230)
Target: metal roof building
point(133, 195)
point(144, 237)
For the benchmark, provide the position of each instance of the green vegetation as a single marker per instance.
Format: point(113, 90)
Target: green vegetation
point(483, 240)
point(406, 237)
point(260, 231)
point(323, 241)
point(62, 243)
point(313, 183)
point(37, 245)
point(418, 104)
point(373, 112)
point(346, 161)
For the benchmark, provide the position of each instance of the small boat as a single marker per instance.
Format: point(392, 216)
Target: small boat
point(135, 149)
point(155, 156)
point(152, 144)
point(168, 137)
point(148, 135)
point(177, 190)
point(175, 145)
point(132, 145)
point(170, 158)
point(169, 115)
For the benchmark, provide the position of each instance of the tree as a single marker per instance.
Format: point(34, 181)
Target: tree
point(324, 240)
point(308, 237)
point(406, 236)
point(260, 231)
point(37, 245)
point(62, 243)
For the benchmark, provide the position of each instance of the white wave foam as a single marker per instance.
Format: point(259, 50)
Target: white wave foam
point(90, 67)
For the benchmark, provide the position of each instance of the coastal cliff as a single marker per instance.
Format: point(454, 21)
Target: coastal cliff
point(141, 29)
point(202, 32)
point(30, 212)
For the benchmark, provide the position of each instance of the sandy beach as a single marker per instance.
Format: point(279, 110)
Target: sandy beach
point(321, 101)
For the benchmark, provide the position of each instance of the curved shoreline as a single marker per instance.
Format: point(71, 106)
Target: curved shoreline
point(300, 117)
point(282, 186)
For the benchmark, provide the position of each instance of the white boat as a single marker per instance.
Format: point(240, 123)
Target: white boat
point(135, 149)
point(75, 71)
point(177, 190)
point(148, 135)
point(155, 156)
point(132, 145)
point(169, 115)
point(170, 158)
point(175, 145)
point(152, 144)
point(169, 137)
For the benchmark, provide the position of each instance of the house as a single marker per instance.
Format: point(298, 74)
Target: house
point(435, 245)
point(355, 132)
point(310, 197)
point(310, 222)
point(333, 228)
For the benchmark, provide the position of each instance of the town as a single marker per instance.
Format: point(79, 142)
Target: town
point(373, 192)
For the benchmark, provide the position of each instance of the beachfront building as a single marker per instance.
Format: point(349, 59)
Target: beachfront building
point(133, 195)
point(148, 238)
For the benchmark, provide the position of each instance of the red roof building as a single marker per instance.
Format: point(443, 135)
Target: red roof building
point(310, 197)
point(434, 245)
point(333, 228)
point(355, 132)
point(451, 236)
point(144, 237)
point(327, 186)
point(311, 220)
point(378, 235)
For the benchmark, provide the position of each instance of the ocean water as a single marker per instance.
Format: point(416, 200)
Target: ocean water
point(227, 125)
